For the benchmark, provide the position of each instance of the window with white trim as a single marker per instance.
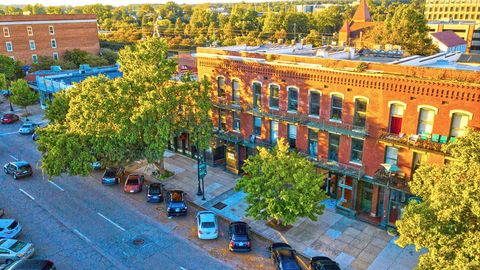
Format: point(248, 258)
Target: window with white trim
point(9, 46)
point(29, 30)
point(51, 30)
point(312, 143)
point(425, 121)
point(257, 126)
point(333, 146)
point(357, 151)
point(236, 92)
point(32, 44)
point(53, 42)
point(459, 124)
point(314, 108)
point(360, 115)
point(221, 86)
point(391, 155)
point(273, 131)
point(336, 108)
point(292, 136)
point(55, 55)
point(34, 58)
point(6, 32)
point(236, 121)
point(257, 95)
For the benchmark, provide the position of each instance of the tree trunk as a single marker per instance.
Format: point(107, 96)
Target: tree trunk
point(26, 113)
point(160, 165)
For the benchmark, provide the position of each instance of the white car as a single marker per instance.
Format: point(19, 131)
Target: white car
point(9, 228)
point(207, 225)
point(13, 250)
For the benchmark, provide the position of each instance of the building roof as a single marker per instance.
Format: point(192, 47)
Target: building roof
point(345, 27)
point(362, 14)
point(448, 38)
point(46, 17)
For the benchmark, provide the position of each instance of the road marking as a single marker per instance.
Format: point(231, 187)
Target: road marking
point(183, 268)
point(8, 133)
point(53, 183)
point(13, 157)
point(28, 195)
point(81, 235)
point(109, 220)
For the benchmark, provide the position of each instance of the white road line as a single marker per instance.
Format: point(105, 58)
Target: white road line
point(57, 186)
point(13, 157)
point(8, 133)
point(81, 235)
point(183, 268)
point(109, 220)
point(28, 195)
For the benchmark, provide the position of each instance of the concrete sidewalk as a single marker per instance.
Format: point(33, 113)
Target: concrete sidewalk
point(36, 112)
point(352, 243)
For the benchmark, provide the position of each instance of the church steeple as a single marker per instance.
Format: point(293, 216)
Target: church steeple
point(362, 14)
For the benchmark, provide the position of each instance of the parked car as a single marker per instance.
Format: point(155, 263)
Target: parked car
point(113, 176)
point(155, 193)
point(9, 118)
point(9, 228)
point(284, 257)
point(134, 183)
point(18, 169)
point(239, 237)
point(323, 263)
point(27, 128)
point(176, 205)
point(13, 250)
point(207, 225)
point(31, 264)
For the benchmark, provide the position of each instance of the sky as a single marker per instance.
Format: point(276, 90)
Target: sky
point(109, 2)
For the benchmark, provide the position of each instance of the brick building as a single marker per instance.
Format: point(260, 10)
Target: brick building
point(366, 130)
point(26, 38)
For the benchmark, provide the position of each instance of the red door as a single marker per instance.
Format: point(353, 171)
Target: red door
point(396, 125)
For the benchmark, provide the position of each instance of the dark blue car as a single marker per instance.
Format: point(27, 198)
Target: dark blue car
point(176, 205)
point(155, 193)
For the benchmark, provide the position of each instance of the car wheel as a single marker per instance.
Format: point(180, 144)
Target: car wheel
point(8, 261)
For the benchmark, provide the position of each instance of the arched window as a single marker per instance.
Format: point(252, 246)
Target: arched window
point(425, 121)
point(459, 124)
point(257, 95)
point(396, 117)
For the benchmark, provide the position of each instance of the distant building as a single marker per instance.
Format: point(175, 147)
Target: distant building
point(436, 10)
point(26, 38)
point(448, 41)
point(467, 30)
point(352, 32)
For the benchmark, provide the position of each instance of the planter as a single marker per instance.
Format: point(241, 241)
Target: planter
point(392, 232)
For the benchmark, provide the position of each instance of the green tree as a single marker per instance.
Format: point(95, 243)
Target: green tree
point(447, 220)
point(3, 82)
point(22, 95)
point(11, 68)
point(281, 185)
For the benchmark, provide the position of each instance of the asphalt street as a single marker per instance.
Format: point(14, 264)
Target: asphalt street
point(81, 224)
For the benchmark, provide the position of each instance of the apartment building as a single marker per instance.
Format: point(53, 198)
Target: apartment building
point(367, 129)
point(452, 10)
point(26, 37)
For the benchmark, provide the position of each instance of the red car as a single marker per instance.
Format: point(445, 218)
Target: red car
point(9, 118)
point(134, 183)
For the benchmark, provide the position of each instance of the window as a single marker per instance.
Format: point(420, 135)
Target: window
point(391, 155)
point(236, 121)
point(314, 104)
point(55, 55)
point(333, 144)
point(32, 44)
point(34, 58)
point(235, 92)
point(357, 151)
point(292, 99)
point(257, 126)
point(54, 43)
point(396, 118)
point(459, 123)
point(312, 143)
point(257, 95)
point(360, 116)
point(273, 131)
point(292, 136)
point(221, 86)
point(336, 108)
point(29, 31)
point(6, 32)
point(425, 121)
point(222, 120)
point(274, 96)
point(9, 46)
point(51, 30)
point(418, 159)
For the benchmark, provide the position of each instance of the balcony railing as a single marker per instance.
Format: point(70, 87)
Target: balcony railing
point(414, 141)
point(237, 138)
point(226, 105)
point(393, 180)
point(320, 124)
point(336, 167)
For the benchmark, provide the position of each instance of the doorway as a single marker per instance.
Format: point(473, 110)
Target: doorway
point(367, 195)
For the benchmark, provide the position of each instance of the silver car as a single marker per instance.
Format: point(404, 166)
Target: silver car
point(9, 228)
point(27, 128)
point(13, 250)
point(207, 225)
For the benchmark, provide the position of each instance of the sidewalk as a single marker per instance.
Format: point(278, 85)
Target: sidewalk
point(352, 243)
point(36, 113)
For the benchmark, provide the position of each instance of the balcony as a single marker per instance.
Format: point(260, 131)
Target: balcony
point(225, 104)
point(336, 167)
point(392, 180)
point(294, 118)
point(431, 144)
point(237, 138)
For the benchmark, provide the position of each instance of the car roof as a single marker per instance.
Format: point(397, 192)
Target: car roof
point(134, 176)
point(155, 185)
point(20, 163)
point(7, 243)
point(280, 245)
point(9, 114)
point(207, 216)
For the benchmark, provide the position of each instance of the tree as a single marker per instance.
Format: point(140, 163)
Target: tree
point(11, 68)
point(3, 82)
point(22, 95)
point(447, 219)
point(281, 185)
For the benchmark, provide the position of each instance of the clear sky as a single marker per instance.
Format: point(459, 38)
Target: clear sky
point(109, 2)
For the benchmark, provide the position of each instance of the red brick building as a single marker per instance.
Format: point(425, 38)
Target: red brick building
point(26, 38)
point(349, 121)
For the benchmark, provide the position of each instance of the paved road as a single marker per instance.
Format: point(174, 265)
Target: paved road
point(81, 224)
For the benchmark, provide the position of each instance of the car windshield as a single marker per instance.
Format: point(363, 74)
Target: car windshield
point(110, 173)
point(177, 197)
point(24, 168)
point(154, 190)
point(26, 125)
point(208, 225)
point(132, 182)
point(17, 246)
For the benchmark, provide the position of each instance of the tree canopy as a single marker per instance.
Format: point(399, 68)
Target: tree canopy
point(281, 185)
point(447, 220)
point(22, 95)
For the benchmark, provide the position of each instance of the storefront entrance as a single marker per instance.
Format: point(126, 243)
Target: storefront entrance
point(367, 196)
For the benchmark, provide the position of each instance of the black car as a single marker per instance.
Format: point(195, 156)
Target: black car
point(18, 169)
point(155, 193)
point(31, 265)
point(176, 205)
point(113, 175)
point(239, 239)
point(284, 257)
point(323, 263)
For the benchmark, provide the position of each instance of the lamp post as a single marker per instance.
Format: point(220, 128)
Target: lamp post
point(199, 191)
point(10, 101)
